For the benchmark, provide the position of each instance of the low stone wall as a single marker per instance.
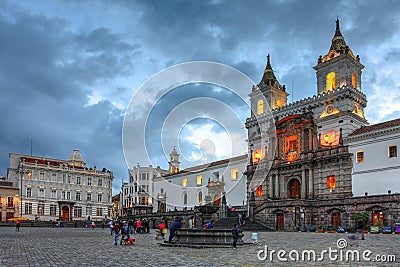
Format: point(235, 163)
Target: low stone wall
point(212, 237)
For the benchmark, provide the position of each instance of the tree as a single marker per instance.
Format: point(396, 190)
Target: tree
point(361, 220)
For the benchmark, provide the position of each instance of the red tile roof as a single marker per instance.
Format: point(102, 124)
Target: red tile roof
point(378, 126)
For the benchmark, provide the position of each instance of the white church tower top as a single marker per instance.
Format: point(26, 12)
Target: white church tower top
point(174, 161)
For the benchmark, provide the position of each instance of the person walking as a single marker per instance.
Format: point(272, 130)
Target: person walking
point(235, 235)
point(240, 220)
point(117, 232)
point(17, 225)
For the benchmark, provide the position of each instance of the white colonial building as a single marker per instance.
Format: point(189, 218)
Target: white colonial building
point(187, 188)
point(54, 189)
point(137, 195)
point(376, 163)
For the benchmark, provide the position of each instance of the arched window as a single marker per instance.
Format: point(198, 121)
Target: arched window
point(260, 107)
point(259, 191)
point(330, 81)
point(354, 80)
point(185, 198)
point(200, 198)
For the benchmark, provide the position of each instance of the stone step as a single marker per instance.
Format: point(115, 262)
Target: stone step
point(249, 225)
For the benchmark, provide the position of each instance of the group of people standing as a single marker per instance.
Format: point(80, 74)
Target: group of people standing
point(141, 226)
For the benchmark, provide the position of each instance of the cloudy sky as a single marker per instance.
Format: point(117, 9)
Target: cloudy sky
point(69, 69)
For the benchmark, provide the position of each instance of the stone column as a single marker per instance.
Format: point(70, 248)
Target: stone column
point(311, 183)
point(282, 188)
point(276, 184)
point(303, 183)
point(271, 185)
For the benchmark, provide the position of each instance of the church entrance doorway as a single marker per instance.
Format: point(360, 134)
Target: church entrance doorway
point(377, 216)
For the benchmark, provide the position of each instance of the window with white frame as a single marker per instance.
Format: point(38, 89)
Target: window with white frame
point(393, 151)
point(185, 198)
point(99, 197)
point(77, 212)
point(199, 180)
point(28, 208)
point(53, 193)
point(78, 180)
point(199, 198)
point(89, 181)
point(234, 174)
point(359, 156)
point(28, 192)
point(88, 196)
point(54, 177)
point(184, 182)
point(41, 192)
point(40, 210)
point(53, 209)
point(78, 196)
point(99, 212)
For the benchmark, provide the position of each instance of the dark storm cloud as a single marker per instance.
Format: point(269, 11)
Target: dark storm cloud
point(295, 33)
point(47, 72)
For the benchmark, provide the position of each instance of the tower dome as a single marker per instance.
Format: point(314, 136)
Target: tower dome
point(76, 159)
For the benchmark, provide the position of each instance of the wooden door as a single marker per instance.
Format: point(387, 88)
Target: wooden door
point(377, 216)
point(65, 213)
point(280, 222)
point(336, 219)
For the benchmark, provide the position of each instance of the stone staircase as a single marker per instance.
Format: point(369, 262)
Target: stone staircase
point(227, 223)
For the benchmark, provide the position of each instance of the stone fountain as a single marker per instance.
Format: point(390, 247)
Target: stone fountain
point(205, 238)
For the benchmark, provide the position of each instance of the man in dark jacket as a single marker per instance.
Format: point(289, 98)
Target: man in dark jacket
point(174, 227)
point(235, 235)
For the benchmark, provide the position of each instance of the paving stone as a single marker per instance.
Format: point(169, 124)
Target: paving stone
point(88, 247)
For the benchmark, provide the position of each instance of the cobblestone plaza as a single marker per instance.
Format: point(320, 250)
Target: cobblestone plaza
point(34, 246)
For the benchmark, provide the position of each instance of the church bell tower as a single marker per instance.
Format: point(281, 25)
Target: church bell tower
point(174, 162)
point(341, 105)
